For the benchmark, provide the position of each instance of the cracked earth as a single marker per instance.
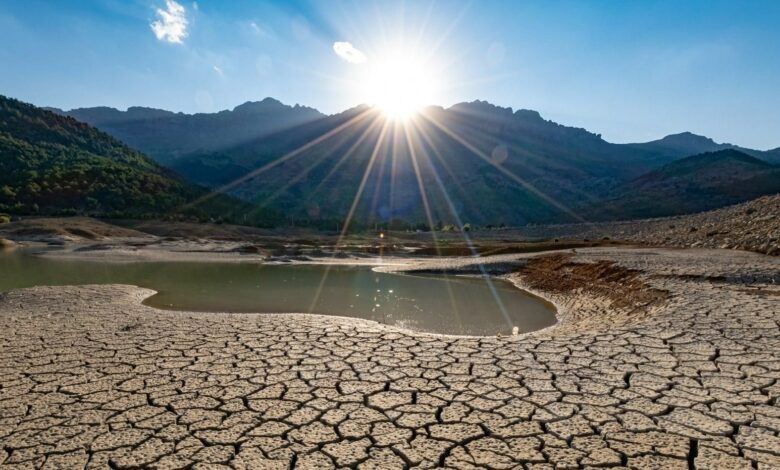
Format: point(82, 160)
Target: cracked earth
point(90, 378)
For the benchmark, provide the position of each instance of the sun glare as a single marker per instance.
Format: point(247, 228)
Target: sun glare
point(399, 87)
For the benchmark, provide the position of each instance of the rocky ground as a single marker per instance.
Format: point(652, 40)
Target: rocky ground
point(751, 226)
point(682, 374)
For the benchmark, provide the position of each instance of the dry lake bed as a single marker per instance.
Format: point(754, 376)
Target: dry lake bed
point(660, 359)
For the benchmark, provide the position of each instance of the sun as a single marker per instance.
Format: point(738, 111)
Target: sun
point(399, 86)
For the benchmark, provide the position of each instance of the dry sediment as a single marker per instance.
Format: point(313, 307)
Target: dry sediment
point(92, 378)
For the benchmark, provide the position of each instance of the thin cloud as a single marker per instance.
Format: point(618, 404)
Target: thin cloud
point(259, 30)
point(349, 53)
point(219, 71)
point(171, 25)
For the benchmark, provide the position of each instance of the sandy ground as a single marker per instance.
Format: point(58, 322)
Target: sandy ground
point(203, 251)
point(661, 359)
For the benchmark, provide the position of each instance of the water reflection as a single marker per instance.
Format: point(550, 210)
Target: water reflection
point(440, 304)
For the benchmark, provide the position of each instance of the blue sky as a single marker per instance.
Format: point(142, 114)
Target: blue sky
point(630, 70)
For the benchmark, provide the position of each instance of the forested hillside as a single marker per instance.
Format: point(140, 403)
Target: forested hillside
point(55, 165)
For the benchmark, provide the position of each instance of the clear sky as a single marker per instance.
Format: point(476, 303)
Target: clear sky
point(630, 70)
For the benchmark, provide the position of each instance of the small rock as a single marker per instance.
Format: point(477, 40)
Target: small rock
point(250, 249)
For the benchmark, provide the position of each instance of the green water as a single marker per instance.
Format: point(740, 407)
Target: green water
point(437, 304)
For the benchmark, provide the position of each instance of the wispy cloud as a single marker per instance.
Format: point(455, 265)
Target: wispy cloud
point(171, 25)
point(260, 30)
point(219, 71)
point(348, 52)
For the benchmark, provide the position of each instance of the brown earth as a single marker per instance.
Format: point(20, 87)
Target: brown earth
point(558, 273)
point(65, 228)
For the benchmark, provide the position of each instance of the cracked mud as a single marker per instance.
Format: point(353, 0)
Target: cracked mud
point(90, 378)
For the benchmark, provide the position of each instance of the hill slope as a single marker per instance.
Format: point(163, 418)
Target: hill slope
point(50, 164)
point(686, 144)
point(693, 184)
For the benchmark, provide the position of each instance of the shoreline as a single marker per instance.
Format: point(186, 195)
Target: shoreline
point(393, 265)
point(500, 267)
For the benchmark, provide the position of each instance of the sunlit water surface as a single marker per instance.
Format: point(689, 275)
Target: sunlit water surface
point(437, 304)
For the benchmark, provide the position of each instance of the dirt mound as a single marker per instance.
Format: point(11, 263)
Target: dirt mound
point(559, 274)
point(191, 230)
point(65, 228)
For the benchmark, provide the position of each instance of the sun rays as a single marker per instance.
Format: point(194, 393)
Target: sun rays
point(396, 149)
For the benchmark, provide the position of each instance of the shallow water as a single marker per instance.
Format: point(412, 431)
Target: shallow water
point(436, 304)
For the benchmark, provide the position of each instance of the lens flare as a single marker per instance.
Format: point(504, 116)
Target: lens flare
point(399, 86)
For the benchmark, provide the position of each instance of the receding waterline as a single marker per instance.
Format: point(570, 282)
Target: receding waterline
point(442, 304)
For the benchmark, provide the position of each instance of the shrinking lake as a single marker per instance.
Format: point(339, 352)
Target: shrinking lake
point(432, 303)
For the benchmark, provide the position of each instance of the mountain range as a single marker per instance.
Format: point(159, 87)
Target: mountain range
point(164, 135)
point(472, 162)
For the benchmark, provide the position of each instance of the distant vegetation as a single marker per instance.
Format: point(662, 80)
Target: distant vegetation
point(55, 165)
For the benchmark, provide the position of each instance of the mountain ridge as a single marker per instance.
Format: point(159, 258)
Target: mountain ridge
point(687, 143)
point(166, 135)
point(684, 143)
point(266, 103)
